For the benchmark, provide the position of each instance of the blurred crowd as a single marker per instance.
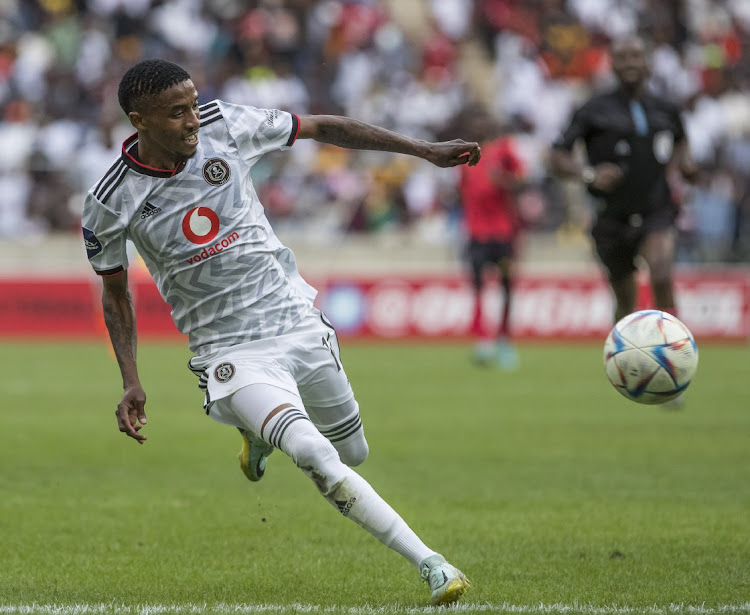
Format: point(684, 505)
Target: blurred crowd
point(426, 68)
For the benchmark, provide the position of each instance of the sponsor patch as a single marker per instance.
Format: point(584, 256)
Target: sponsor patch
point(200, 225)
point(224, 372)
point(622, 148)
point(93, 245)
point(210, 251)
point(663, 146)
point(271, 115)
point(216, 171)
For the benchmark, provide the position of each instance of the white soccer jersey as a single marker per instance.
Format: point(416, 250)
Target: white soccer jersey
point(202, 231)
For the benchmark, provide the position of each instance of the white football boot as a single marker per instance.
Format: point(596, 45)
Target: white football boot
point(447, 583)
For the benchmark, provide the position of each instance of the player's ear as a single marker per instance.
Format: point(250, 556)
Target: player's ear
point(137, 120)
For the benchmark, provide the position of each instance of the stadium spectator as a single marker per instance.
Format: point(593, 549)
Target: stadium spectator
point(57, 59)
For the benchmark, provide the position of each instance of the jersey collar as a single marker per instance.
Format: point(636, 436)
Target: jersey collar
point(130, 157)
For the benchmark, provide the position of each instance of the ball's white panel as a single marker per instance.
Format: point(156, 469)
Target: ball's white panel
point(636, 370)
point(643, 328)
point(673, 329)
point(661, 382)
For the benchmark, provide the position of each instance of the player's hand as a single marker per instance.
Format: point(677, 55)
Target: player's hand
point(453, 153)
point(608, 176)
point(131, 413)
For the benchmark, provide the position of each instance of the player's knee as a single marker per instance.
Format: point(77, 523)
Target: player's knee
point(354, 451)
point(342, 426)
point(661, 274)
point(315, 456)
point(312, 452)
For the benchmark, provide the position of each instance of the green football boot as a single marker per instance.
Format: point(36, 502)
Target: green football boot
point(253, 455)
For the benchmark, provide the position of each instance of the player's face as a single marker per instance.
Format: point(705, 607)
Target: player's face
point(168, 126)
point(629, 62)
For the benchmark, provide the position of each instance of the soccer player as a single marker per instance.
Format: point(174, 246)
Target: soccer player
point(267, 360)
point(492, 223)
point(633, 140)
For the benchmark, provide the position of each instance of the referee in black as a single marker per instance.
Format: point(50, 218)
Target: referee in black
point(633, 142)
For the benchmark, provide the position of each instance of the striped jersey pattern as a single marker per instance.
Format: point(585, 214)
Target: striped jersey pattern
point(202, 232)
point(104, 189)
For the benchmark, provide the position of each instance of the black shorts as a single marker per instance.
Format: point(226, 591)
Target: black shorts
point(483, 253)
point(618, 241)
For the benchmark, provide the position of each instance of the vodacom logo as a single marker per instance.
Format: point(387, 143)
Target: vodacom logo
point(200, 225)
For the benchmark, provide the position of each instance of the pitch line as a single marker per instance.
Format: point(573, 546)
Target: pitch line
point(395, 609)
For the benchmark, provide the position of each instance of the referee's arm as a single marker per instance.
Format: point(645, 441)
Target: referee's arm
point(603, 177)
point(562, 160)
point(682, 160)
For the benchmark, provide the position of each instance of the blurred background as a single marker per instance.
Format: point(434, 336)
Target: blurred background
point(421, 67)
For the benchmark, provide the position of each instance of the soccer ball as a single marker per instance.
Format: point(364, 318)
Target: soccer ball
point(650, 357)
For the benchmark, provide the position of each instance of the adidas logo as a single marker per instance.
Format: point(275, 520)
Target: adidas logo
point(149, 210)
point(345, 506)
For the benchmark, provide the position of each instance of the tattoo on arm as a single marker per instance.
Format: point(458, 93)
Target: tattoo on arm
point(353, 134)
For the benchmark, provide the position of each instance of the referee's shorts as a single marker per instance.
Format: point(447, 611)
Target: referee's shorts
point(618, 240)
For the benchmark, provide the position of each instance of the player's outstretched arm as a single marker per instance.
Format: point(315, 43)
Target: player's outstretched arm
point(119, 316)
point(353, 134)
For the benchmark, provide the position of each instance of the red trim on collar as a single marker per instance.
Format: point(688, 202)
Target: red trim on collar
point(129, 141)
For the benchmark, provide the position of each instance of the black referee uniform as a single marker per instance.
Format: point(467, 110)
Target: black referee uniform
point(639, 136)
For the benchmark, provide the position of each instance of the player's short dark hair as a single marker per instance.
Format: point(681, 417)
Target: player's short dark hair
point(147, 79)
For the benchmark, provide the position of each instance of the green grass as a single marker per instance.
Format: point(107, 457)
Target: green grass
point(544, 486)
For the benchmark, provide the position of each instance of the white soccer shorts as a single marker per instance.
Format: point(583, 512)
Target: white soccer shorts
point(305, 361)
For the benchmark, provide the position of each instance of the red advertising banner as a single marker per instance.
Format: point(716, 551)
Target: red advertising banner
point(715, 305)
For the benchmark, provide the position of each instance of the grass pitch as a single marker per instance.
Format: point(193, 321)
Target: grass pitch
point(553, 493)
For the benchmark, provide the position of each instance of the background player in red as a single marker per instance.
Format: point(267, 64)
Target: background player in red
point(488, 192)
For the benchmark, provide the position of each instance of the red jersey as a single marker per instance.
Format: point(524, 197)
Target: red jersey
point(489, 209)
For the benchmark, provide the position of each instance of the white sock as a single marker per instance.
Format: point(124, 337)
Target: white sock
point(355, 498)
point(346, 490)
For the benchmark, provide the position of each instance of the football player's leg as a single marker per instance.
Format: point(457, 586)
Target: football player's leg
point(342, 426)
point(506, 284)
point(355, 498)
point(625, 289)
point(480, 260)
point(617, 255)
point(507, 356)
point(287, 427)
point(476, 263)
point(658, 249)
point(247, 409)
point(327, 394)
